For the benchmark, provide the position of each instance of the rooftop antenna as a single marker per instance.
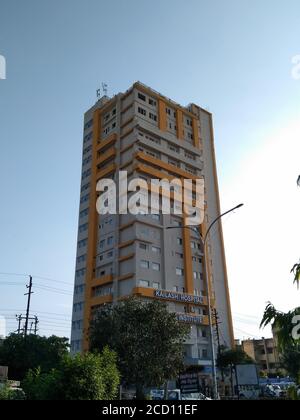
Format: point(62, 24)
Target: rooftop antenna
point(105, 88)
point(98, 93)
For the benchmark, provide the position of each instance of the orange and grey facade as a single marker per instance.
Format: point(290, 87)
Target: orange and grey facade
point(151, 137)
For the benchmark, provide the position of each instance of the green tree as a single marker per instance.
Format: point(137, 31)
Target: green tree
point(7, 393)
point(83, 377)
point(291, 361)
point(282, 323)
point(227, 358)
point(21, 354)
point(296, 272)
point(147, 338)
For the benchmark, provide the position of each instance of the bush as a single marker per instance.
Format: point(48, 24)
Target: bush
point(83, 377)
point(7, 393)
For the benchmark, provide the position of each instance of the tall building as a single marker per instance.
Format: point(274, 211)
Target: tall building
point(149, 136)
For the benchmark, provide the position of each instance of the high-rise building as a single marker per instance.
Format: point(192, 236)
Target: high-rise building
point(149, 136)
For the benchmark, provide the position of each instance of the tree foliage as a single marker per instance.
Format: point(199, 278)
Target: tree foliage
point(227, 358)
point(83, 377)
point(282, 323)
point(296, 272)
point(291, 361)
point(21, 354)
point(147, 338)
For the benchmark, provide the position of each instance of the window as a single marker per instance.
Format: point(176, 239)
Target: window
point(80, 273)
point(86, 160)
point(110, 240)
point(142, 97)
point(174, 163)
point(176, 222)
point(179, 271)
point(78, 306)
point(179, 241)
point(190, 170)
point(84, 213)
point(87, 150)
point(142, 111)
point(175, 288)
point(110, 254)
point(156, 285)
point(143, 246)
point(101, 257)
point(103, 291)
point(155, 266)
point(77, 325)
point(204, 353)
point(79, 289)
point(81, 259)
point(82, 243)
point(85, 198)
point(155, 217)
point(152, 102)
point(156, 249)
point(193, 245)
point(85, 187)
point(144, 264)
point(152, 116)
point(87, 137)
point(102, 243)
point(85, 174)
point(173, 148)
point(88, 124)
point(145, 231)
point(190, 156)
point(144, 283)
point(178, 255)
point(83, 228)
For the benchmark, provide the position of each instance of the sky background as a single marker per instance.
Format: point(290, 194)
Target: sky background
point(233, 57)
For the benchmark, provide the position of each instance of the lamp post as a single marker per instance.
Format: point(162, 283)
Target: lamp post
point(204, 242)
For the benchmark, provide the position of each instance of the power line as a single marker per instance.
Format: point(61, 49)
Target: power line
point(37, 277)
point(40, 312)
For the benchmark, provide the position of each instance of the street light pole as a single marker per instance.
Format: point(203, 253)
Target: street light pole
point(204, 242)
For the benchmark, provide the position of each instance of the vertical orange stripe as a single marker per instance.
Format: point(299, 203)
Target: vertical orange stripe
point(188, 262)
point(92, 231)
point(162, 115)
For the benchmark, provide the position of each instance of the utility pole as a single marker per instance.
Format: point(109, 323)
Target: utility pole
point(29, 287)
point(217, 323)
point(19, 319)
point(36, 321)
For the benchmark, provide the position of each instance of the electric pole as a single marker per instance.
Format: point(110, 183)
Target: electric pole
point(29, 287)
point(217, 323)
point(19, 319)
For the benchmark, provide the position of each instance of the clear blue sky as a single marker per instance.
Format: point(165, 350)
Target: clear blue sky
point(233, 57)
